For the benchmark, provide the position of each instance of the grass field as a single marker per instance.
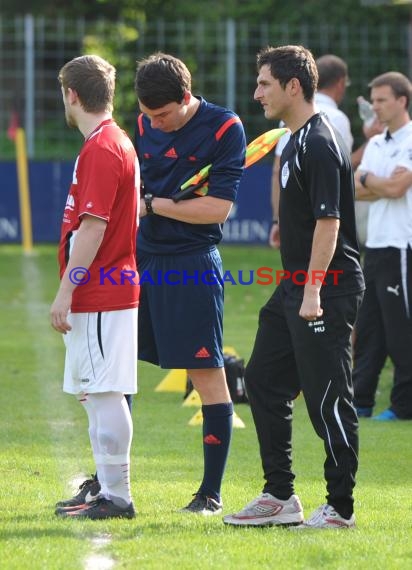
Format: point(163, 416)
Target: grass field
point(45, 447)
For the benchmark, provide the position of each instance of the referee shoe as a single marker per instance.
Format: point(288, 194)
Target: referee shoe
point(267, 510)
point(203, 505)
point(326, 517)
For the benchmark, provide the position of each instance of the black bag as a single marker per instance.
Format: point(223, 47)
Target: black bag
point(235, 378)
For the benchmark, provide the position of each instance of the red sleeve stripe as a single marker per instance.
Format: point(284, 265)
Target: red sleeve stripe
point(140, 124)
point(219, 134)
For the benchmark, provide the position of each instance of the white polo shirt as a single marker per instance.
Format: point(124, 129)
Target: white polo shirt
point(390, 219)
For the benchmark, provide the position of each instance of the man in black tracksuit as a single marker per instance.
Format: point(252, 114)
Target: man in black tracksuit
point(303, 339)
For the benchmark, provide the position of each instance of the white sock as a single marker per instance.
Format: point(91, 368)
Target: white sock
point(83, 399)
point(113, 434)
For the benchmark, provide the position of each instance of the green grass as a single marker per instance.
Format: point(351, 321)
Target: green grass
point(45, 445)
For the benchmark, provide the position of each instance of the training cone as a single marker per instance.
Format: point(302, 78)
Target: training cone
point(174, 381)
point(230, 350)
point(237, 422)
point(197, 420)
point(193, 399)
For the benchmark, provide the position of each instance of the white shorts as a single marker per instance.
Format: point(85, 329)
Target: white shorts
point(101, 352)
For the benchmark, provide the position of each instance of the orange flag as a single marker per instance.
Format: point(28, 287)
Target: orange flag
point(14, 124)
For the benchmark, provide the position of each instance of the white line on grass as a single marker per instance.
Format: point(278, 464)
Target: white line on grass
point(37, 324)
point(44, 362)
point(96, 561)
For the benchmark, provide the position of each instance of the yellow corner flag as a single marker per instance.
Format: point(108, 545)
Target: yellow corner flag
point(24, 191)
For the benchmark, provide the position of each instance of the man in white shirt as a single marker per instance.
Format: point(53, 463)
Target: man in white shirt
point(333, 80)
point(384, 325)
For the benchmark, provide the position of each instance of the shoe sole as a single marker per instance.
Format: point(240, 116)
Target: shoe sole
point(203, 513)
point(60, 510)
point(331, 527)
point(286, 520)
point(73, 515)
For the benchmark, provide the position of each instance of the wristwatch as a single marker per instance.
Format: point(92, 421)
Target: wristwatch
point(362, 179)
point(148, 199)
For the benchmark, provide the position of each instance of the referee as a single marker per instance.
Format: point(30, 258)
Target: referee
point(303, 339)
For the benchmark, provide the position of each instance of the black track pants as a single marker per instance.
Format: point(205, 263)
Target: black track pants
point(290, 355)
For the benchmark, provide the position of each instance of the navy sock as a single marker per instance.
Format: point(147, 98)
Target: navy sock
point(217, 432)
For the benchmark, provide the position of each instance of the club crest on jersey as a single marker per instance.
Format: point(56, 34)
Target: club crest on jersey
point(70, 202)
point(285, 174)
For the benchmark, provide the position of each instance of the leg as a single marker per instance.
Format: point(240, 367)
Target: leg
point(369, 349)
point(195, 345)
point(217, 412)
point(147, 349)
point(113, 435)
point(129, 401)
point(89, 489)
point(102, 354)
point(272, 383)
point(394, 292)
point(323, 355)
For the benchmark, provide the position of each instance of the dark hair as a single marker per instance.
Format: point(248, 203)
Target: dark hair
point(288, 62)
point(331, 69)
point(93, 79)
point(399, 83)
point(161, 79)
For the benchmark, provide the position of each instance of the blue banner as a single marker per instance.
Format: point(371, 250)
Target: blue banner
point(248, 223)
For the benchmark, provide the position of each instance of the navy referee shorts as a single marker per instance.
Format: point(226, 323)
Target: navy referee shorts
point(181, 310)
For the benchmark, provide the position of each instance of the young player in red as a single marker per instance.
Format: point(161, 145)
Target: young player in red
point(96, 305)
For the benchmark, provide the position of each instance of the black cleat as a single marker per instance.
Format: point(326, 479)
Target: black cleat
point(88, 491)
point(100, 509)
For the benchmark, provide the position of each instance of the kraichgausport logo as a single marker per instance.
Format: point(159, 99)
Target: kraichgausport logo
point(260, 276)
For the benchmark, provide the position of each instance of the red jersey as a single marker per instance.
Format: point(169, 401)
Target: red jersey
point(106, 182)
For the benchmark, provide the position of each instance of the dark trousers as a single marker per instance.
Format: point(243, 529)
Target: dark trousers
point(290, 355)
point(384, 328)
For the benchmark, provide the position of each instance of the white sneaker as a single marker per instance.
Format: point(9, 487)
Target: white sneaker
point(326, 517)
point(267, 510)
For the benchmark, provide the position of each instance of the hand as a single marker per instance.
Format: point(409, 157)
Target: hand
point(310, 309)
point(357, 174)
point(376, 128)
point(398, 170)
point(274, 236)
point(59, 311)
